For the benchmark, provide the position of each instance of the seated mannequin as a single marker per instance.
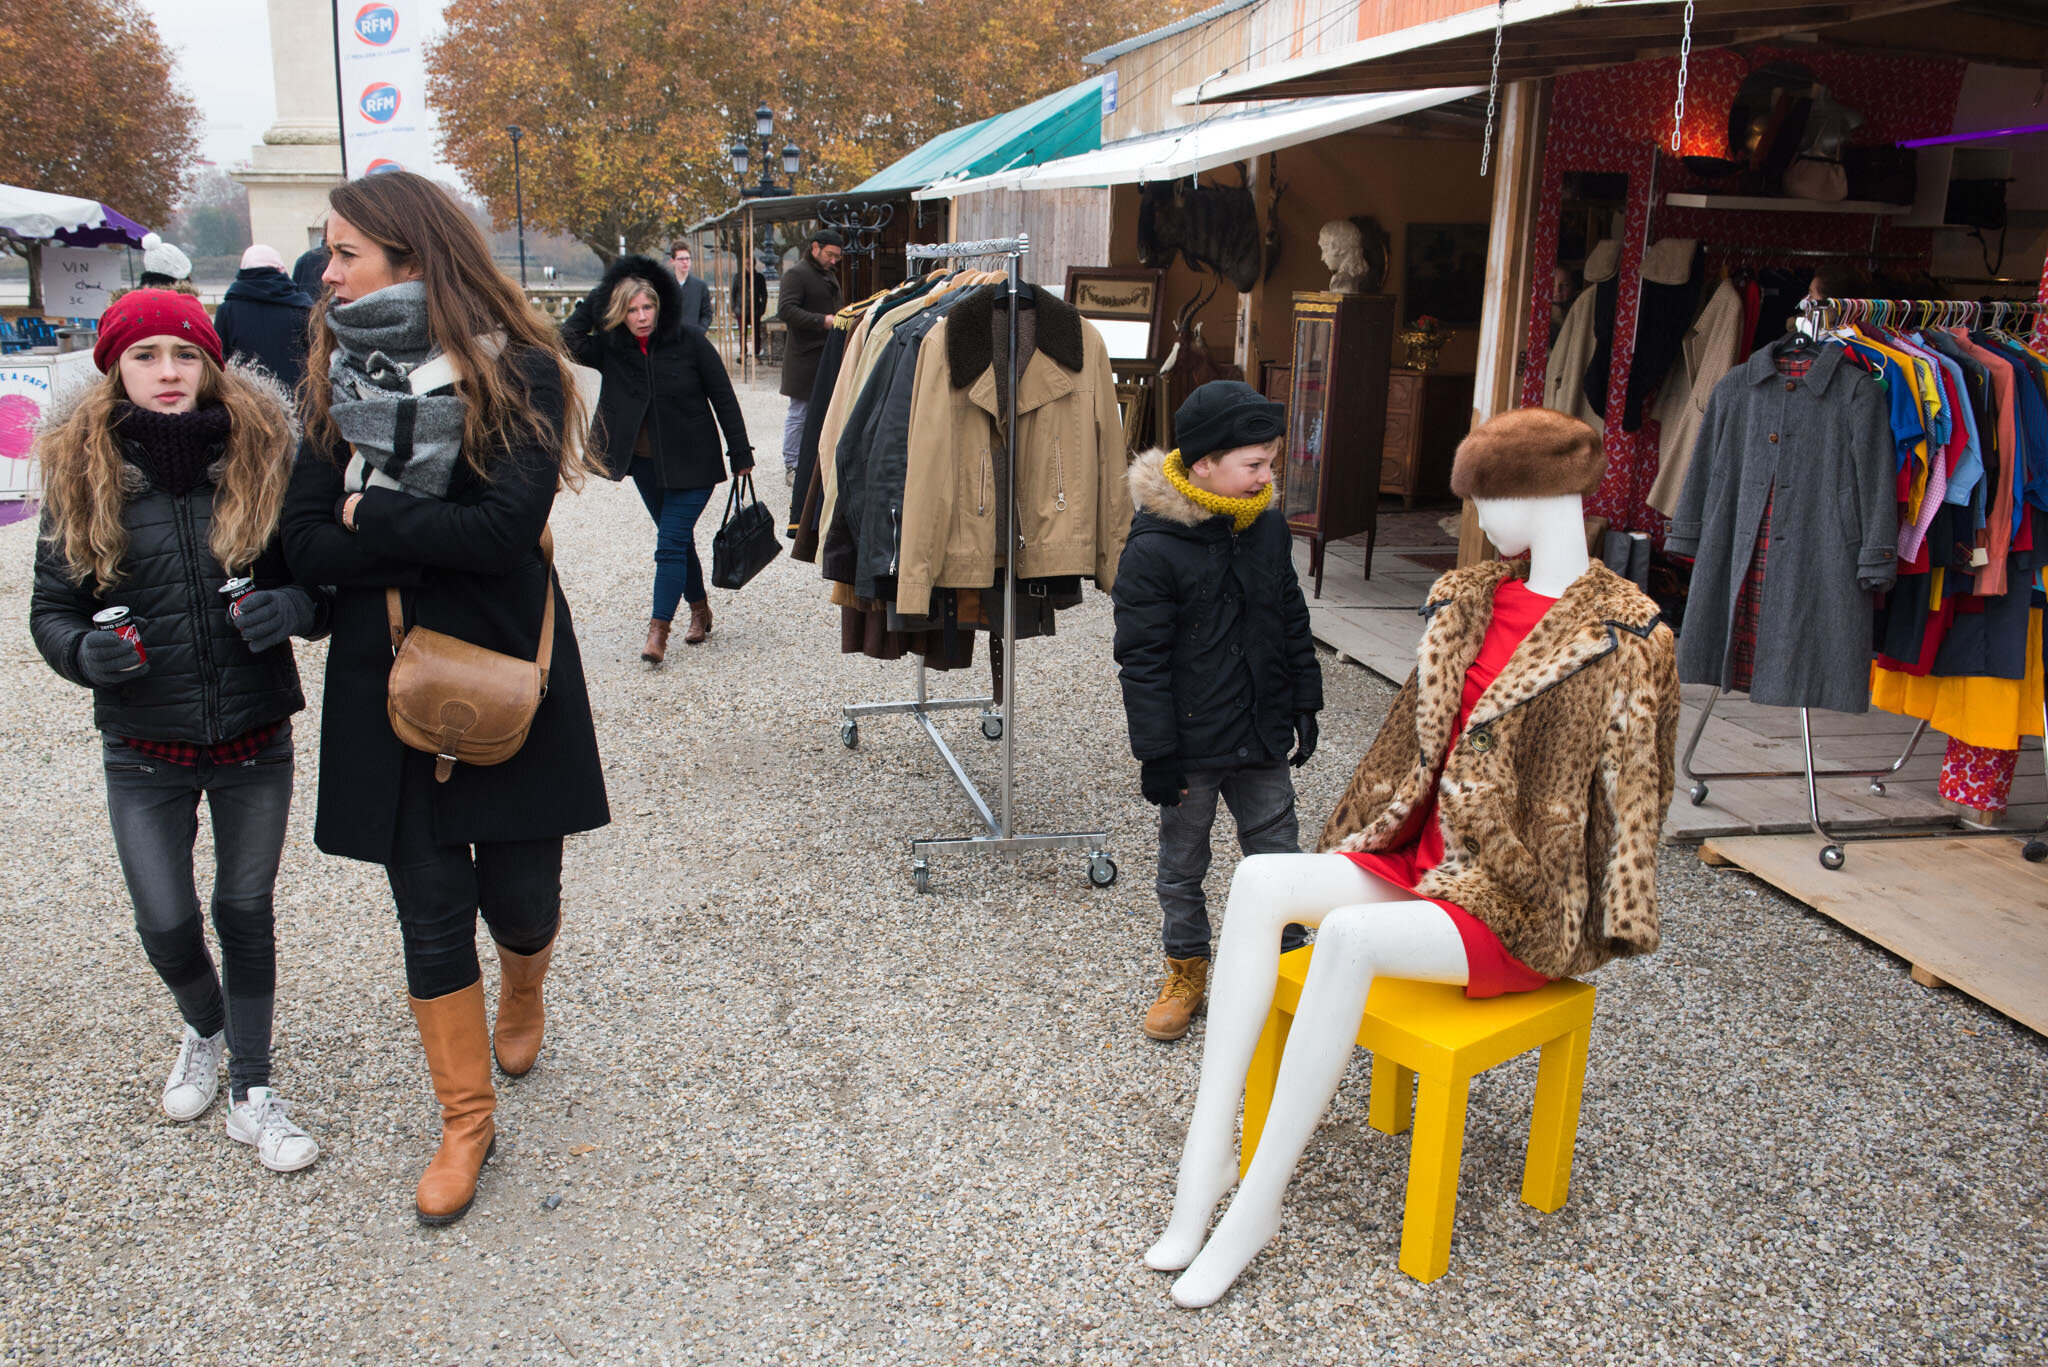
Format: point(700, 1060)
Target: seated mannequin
point(1542, 694)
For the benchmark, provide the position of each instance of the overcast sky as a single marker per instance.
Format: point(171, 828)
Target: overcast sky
point(223, 52)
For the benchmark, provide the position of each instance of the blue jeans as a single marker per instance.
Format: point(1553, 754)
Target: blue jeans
point(678, 573)
point(1261, 799)
point(153, 806)
point(793, 432)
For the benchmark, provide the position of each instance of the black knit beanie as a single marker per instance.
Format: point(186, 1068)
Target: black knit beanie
point(1223, 415)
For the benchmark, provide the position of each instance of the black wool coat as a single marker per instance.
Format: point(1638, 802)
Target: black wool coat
point(262, 318)
point(670, 394)
point(696, 303)
point(204, 685)
point(468, 565)
point(809, 297)
point(1212, 637)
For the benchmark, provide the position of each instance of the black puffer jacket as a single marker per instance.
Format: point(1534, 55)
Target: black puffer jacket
point(204, 684)
point(672, 391)
point(1212, 635)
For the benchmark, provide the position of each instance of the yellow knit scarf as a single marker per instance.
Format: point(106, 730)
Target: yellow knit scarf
point(1242, 511)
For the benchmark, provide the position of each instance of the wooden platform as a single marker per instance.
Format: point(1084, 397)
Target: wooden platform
point(1910, 896)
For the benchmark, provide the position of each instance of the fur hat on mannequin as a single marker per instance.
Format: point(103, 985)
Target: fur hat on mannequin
point(161, 258)
point(1528, 453)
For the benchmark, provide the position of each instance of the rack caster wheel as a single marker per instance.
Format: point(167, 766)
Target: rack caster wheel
point(1831, 857)
point(1876, 788)
point(1698, 793)
point(2035, 851)
point(991, 726)
point(849, 733)
point(921, 876)
point(1101, 870)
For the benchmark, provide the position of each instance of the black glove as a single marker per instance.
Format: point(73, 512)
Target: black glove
point(1305, 732)
point(741, 461)
point(269, 617)
point(107, 661)
point(1162, 781)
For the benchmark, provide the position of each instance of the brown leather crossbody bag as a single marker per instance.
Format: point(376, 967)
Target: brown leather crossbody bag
point(462, 703)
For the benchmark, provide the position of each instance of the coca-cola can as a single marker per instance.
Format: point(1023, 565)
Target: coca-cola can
point(122, 623)
point(235, 590)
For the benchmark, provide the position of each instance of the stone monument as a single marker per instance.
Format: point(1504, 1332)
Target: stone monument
point(288, 176)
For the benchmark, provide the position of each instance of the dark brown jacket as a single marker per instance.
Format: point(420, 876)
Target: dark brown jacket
point(808, 299)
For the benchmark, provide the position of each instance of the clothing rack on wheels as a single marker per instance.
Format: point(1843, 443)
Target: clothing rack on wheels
point(998, 719)
point(1819, 315)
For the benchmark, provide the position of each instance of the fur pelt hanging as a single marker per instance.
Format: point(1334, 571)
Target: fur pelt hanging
point(1216, 227)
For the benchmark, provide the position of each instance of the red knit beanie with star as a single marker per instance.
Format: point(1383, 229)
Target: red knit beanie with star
point(142, 314)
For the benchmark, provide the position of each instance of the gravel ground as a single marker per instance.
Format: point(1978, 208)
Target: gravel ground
point(794, 1112)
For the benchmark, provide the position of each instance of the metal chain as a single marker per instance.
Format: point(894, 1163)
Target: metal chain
point(1684, 55)
point(1500, 24)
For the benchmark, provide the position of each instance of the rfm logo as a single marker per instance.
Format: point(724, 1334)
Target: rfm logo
point(377, 24)
point(380, 102)
point(382, 165)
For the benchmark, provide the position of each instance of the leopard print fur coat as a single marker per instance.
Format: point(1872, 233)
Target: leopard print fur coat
point(1551, 799)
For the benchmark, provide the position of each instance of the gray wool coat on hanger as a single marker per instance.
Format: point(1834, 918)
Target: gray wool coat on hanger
point(1819, 450)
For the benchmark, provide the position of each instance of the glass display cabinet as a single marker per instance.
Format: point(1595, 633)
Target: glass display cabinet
point(1337, 420)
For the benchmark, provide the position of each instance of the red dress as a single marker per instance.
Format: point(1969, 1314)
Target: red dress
point(1493, 971)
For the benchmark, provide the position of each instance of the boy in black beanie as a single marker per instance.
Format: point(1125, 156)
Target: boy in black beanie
point(1218, 668)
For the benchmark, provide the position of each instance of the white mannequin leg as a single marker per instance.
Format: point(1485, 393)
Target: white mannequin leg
point(1406, 939)
point(1267, 892)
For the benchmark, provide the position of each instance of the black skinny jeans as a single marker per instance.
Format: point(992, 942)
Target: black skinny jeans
point(153, 806)
point(440, 889)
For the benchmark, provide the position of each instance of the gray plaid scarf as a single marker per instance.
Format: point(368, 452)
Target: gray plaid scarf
point(413, 440)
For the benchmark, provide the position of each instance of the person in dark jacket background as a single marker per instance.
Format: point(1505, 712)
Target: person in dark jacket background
point(809, 298)
point(307, 270)
point(663, 382)
point(750, 313)
point(262, 318)
point(696, 295)
point(1218, 668)
point(161, 483)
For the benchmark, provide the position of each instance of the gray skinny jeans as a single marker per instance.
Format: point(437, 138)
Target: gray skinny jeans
point(1261, 799)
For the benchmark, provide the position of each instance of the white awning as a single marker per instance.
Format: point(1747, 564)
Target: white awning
point(39, 214)
point(1202, 146)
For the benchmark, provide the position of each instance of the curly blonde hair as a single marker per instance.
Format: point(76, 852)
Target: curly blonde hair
point(84, 493)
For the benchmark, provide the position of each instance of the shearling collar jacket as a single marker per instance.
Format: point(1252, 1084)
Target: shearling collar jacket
point(1073, 508)
point(1551, 798)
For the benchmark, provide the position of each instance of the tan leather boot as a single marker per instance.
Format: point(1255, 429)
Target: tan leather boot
point(457, 1041)
point(516, 1037)
point(1180, 997)
point(700, 623)
point(656, 649)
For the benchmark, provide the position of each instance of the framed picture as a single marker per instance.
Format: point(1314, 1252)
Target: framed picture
point(1443, 273)
point(1127, 304)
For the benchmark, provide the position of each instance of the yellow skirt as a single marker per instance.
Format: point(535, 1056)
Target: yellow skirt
point(1992, 713)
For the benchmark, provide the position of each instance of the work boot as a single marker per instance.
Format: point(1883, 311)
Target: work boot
point(700, 623)
point(457, 1041)
point(656, 649)
point(1180, 997)
point(516, 1038)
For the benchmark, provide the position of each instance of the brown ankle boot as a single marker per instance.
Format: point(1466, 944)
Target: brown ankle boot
point(458, 1045)
point(700, 623)
point(656, 649)
point(516, 1037)
point(1180, 997)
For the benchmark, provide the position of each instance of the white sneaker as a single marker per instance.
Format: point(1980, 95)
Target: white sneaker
point(195, 1077)
point(263, 1120)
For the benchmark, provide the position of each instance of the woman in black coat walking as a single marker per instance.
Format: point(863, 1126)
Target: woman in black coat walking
point(663, 381)
point(435, 408)
point(160, 483)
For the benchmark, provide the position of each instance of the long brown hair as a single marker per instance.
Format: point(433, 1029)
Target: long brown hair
point(418, 224)
point(83, 488)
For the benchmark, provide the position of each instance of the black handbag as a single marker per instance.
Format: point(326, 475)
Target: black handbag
point(746, 539)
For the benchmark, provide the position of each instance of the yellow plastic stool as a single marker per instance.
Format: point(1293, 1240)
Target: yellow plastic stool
point(1434, 1030)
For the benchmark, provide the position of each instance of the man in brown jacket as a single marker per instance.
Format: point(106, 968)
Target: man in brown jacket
point(809, 298)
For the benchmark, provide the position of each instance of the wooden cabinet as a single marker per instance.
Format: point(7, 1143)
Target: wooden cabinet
point(1336, 420)
point(1428, 414)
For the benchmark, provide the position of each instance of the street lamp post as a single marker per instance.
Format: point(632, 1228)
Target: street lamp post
point(764, 128)
point(518, 202)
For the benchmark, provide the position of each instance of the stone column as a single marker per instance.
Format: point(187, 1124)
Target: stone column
point(300, 158)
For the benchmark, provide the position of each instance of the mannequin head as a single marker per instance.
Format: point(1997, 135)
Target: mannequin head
point(1551, 530)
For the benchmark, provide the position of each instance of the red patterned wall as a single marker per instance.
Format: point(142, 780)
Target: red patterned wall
point(1618, 119)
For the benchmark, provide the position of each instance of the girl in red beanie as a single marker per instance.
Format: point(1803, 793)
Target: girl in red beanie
point(160, 585)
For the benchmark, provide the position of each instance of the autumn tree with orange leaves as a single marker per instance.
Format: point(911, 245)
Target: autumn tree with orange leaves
point(90, 110)
point(628, 106)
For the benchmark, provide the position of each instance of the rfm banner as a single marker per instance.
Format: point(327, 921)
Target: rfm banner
point(383, 86)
